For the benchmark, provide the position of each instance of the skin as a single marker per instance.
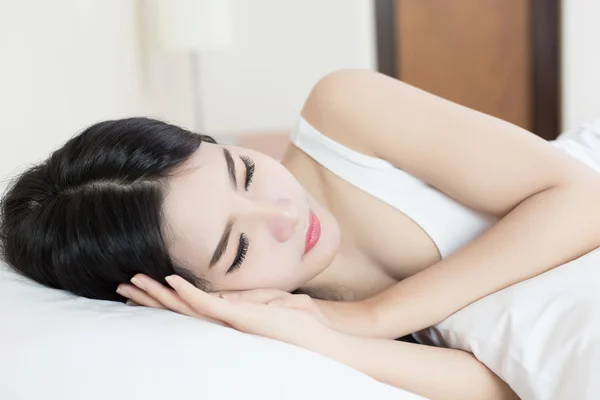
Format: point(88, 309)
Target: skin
point(273, 213)
point(393, 283)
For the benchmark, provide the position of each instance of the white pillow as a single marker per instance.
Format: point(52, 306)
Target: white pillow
point(54, 345)
point(541, 336)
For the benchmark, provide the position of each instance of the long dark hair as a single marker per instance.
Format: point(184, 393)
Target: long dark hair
point(90, 216)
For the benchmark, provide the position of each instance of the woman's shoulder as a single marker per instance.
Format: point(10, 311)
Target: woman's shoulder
point(329, 102)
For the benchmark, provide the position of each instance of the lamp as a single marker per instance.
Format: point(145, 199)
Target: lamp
point(193, 27)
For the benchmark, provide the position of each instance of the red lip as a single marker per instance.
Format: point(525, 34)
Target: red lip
point(313, 232)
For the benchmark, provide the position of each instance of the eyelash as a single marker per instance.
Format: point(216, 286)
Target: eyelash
point(243, 244)
point(249, 170)
point(241, 254)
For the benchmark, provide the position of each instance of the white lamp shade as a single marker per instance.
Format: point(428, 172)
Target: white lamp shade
point(193, 25)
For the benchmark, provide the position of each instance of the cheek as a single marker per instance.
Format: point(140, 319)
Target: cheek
point(267, 264)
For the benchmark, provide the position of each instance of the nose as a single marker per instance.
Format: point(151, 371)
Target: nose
point(280, 216)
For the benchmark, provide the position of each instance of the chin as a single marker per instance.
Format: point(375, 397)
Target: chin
point(319, 265)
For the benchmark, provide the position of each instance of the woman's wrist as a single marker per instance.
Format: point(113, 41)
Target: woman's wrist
point(357, 318)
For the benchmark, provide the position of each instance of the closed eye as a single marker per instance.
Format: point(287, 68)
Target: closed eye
point(240, 255)
point(249, 163)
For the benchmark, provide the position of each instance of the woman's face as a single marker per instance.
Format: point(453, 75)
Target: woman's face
point(240, 220)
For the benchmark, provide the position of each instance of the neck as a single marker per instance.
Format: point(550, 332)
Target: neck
point(323, 286)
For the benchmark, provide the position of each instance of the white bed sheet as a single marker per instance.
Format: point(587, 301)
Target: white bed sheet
point(54, 345)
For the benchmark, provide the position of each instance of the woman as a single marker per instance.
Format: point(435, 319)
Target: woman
point(404, 205)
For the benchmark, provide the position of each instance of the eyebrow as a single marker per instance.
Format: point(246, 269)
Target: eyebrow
point(222, 246)
point(230, 167)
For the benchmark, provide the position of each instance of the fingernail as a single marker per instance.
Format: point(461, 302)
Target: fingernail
point(123, 293)
point(131, 303)
point(215, 294)
point(276, 302)
point(171, 281)
point(138, 283)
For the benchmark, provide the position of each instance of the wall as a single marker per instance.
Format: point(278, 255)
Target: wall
point(65, 64)
point(281, 48)
point(580, 61)
point(259, 84)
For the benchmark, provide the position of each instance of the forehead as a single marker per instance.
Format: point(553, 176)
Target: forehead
point(195, 206)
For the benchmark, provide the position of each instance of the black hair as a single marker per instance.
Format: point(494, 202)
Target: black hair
point(91, 216)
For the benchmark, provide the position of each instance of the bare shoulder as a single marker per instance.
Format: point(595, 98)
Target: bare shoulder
point(477, 159)
point(333, 98)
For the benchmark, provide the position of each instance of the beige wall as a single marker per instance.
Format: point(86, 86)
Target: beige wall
point(580, 61)
point(281, 47)
point(65, 64)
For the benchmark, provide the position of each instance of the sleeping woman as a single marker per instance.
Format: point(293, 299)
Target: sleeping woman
point(391, 210)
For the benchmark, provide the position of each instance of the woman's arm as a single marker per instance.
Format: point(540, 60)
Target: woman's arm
point(548, 202)
point(433, 372)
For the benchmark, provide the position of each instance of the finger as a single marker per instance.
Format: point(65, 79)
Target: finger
point(163, 295)
point(201, 302)
point(255, 295)
point(138, 296)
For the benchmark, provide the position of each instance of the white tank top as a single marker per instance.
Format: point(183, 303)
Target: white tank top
point(450, 224)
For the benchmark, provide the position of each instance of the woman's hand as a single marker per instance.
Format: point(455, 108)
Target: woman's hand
point(351, 317)
point(297, 326)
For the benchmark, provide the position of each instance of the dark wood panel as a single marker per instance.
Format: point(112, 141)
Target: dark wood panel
point(385, 27)
point(543, 56)
point(473, 52)
point(545, 31)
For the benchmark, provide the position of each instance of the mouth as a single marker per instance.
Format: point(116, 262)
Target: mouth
point(313, 233)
